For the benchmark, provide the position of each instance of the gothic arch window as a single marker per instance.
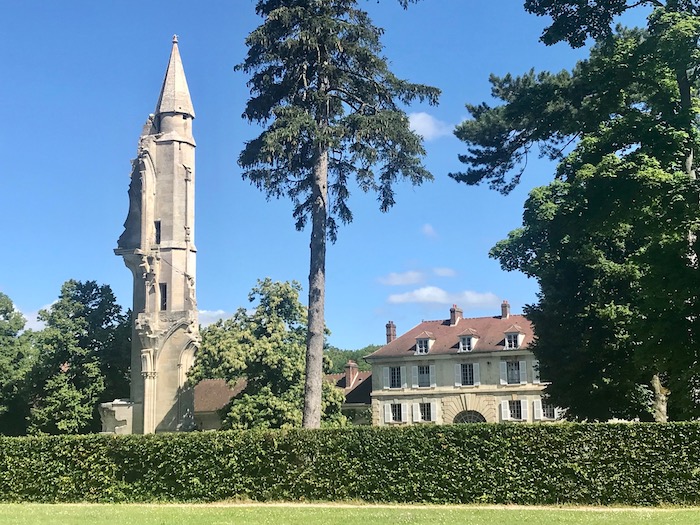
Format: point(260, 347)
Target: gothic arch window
point(469, 416)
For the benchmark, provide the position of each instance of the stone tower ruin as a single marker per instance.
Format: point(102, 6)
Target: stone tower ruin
point(158, 247)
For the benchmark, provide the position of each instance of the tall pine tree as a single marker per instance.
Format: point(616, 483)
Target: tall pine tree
point(332, 111)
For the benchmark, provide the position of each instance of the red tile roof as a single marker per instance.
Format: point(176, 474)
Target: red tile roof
point(339, 380)
point(490, 331)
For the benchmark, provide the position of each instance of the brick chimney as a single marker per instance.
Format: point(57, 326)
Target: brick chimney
point(390, 332)
point(505, 310)
point(456, 314)
point(351, 372)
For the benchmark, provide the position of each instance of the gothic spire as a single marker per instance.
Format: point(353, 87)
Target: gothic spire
point(175, 95)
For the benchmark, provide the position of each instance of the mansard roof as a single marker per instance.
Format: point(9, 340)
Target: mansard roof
point(491, 333)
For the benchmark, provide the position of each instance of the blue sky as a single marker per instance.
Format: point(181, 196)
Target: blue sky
point(80, 78)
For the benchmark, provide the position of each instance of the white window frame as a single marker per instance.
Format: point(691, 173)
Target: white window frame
point(415, 376)
point(475, 374)
point(467, 343)
point(386, 373)
point(418, 418)
point(539, 411)
point(422, 346)
point(389, 415)
point(506, 413)
point(536, 371)
point(512, 341)
point(522, 372)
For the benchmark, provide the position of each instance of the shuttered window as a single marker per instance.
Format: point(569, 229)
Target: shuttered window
point(467, 374)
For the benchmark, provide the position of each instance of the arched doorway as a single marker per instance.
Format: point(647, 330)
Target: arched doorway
point(469, 416)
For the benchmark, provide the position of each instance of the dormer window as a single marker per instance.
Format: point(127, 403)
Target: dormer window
point(514, 337)
point(467, 340)
point(422, 346)
point(466, 343)
point(423, 343)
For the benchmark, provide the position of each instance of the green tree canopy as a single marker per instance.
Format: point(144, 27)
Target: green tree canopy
point(333, 114)
point(83, 360)
point(339, 357)
point(617, 300)
point(266, 348)
point(573, 21)
point(17, 356)
point(609, 240)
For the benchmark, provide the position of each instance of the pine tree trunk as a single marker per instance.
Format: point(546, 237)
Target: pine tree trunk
point(660, 402)
point(317, 296)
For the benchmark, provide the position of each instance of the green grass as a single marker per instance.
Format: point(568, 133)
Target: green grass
point(66, 514)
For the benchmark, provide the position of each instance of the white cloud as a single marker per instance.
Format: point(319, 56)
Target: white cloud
point(444, 272)
point(207, 317)
point(428, 126)
point(33, 322)
point(428, 231)
point(433, 294)
point(31, 316)
point(399, 279)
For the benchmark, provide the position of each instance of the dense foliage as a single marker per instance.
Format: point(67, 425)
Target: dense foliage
point(265, 347)
point(52, 380)
point(339, 358)
point(640, 464)
point(613, 241)
point(17, 356)
point(334, 114)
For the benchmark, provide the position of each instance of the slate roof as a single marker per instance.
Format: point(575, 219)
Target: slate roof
point(490, 331)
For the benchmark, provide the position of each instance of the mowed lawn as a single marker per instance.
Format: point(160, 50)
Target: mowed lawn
point(280, 514)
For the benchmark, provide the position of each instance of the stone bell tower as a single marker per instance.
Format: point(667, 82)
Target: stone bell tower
point(158, 247)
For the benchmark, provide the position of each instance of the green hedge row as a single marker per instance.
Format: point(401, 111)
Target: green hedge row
point(642, 464)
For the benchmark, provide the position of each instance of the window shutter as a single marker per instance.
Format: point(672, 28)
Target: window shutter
point(416, 412)
point(458, 374)
point(432, 376)
point(504, 373)
point(536, 371)
point(537, 406)
point(404, 412)
point(403, 377)
point(477, 381)
point(505, 411)
point(558, 413)
point(386, 377)
point(414, 374)
point(523, 409)
point(387, 413)
point(433, 411)
point(523, 372)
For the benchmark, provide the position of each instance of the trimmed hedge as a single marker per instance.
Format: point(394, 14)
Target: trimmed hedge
point(640, 464)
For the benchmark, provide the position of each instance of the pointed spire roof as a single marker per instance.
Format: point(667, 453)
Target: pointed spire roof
point(175, 95)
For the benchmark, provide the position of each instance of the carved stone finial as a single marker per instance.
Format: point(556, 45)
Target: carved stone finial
point(174, 39)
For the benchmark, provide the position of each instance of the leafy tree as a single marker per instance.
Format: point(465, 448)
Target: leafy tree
point(606, 247)
point(622, 195)
point(17, 355)
point(267, 349)
point(332, 111)
point(339, 358)
point(83, 360)
point(673, 30)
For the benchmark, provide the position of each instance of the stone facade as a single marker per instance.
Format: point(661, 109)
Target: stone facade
point(158, 247)
point(459, 370)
